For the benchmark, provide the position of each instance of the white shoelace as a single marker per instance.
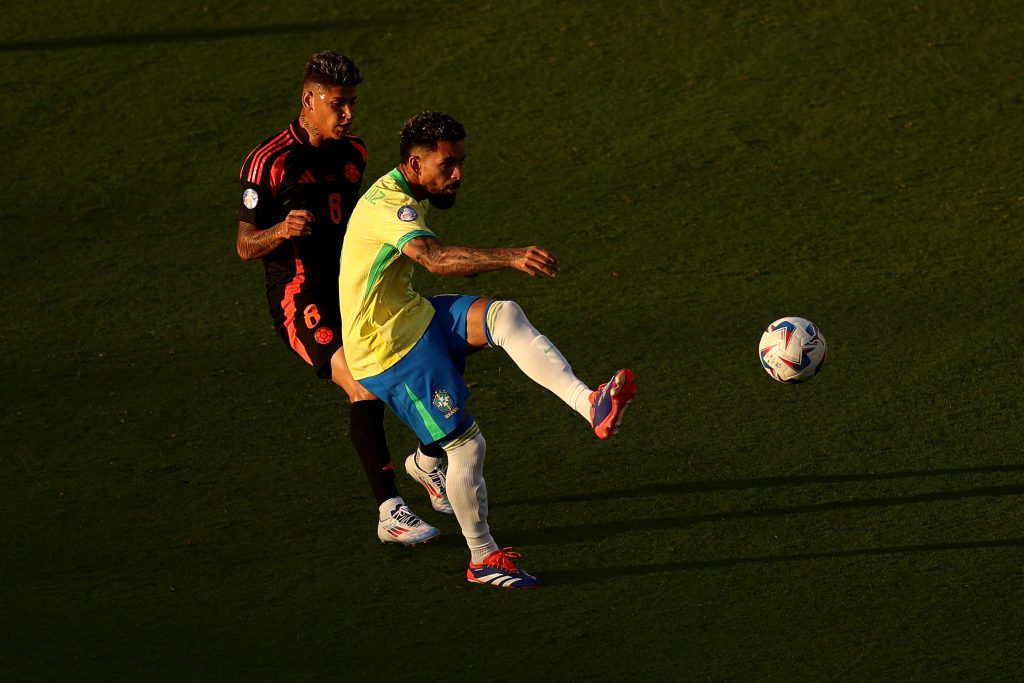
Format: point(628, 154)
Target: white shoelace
point(403, 515)
point(438, 478)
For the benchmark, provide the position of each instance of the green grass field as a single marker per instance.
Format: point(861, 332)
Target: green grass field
point(180, 501)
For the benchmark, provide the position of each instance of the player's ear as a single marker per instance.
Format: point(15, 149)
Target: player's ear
point(416, 164)
point(307, 100)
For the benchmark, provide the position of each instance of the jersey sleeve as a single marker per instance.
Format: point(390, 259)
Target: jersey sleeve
point(249, 209)
point(398, 223)
point(266, 184)
point(253, 198)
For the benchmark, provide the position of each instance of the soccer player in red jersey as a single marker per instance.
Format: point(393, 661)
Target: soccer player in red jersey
point(298, 190)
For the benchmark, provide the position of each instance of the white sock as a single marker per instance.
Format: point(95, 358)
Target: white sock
point(480, 548)
point(388, 505)
point(536, 356)
point(425, 462)
point(467, 491)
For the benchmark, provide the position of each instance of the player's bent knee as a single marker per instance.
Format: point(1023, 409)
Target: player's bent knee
point(341, 376)
point(359, 393)
point(512, 309)
point(503, 317)
point(476, 324)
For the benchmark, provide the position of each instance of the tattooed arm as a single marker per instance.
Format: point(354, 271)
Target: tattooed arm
point(253, 243)
point(441, 259)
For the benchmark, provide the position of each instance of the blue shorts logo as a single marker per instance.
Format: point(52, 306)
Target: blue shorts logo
point(444, 403)
point(407, 214)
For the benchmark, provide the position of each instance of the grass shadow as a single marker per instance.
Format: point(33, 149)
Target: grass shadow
point(576, 533)
point(669, 488)
point(600, 574)
point(189, 36)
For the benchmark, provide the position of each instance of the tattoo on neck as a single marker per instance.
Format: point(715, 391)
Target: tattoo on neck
point(310, 128)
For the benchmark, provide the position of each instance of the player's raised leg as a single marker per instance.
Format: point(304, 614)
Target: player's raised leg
point(504, 324)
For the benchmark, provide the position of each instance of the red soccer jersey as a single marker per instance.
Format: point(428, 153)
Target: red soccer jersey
point(285, 172)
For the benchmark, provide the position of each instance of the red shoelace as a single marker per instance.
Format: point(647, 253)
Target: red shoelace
point(503, 559)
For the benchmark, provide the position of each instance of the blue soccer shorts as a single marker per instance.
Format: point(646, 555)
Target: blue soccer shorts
point(426, 389)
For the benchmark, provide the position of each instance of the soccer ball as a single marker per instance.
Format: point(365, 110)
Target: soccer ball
point(792, 350)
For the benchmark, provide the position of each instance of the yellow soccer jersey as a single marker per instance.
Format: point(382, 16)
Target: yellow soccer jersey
point(382, 317)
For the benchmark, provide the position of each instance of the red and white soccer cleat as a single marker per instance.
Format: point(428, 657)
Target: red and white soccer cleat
point(610, 401)
point(402, 526)
point(433, 482)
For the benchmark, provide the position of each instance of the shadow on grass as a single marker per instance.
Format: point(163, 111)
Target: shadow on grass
point(575, 533)
point(598, 574)
point(662, 488)
point(189, 36)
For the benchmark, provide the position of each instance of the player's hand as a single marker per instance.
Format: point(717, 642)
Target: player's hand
point(537, 262)
point(296, 224)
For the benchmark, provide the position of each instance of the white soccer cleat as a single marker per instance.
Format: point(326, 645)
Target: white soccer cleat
point(402, 526)
point(433, 482)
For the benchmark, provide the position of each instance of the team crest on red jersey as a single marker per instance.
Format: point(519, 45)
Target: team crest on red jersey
point(250, 198)
point(323, 335)
point(352, 173)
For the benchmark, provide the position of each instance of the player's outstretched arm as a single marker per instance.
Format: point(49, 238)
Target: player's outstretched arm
point(253, 243)
point(443, 259)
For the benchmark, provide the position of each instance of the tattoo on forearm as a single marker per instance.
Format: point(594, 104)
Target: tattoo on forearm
point(451, 260)
point(253, 243)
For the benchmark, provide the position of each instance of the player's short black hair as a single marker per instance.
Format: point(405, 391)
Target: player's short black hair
point(426, 129)
point(328, 69)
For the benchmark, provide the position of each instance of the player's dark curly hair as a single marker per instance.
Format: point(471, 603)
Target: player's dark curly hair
point(426, 129)
point(328, 69)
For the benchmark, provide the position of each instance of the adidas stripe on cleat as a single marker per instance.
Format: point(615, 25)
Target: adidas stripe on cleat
point(499, 569)
point(402, 526)
point(610, 401)
point(433, 482)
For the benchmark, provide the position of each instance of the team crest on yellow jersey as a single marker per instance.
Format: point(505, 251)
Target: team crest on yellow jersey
point(443, 401)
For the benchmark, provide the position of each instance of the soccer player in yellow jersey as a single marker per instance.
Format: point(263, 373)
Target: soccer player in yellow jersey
point(410, 351)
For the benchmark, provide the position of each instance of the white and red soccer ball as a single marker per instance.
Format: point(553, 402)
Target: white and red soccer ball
point(792, 350)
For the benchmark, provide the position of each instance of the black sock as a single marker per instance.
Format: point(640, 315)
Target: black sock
point(366, 429)
point(432, 450)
